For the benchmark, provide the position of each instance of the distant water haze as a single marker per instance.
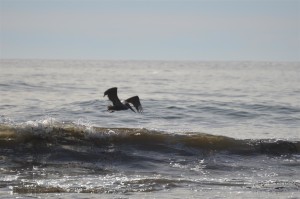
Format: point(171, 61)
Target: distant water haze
point(226, 30)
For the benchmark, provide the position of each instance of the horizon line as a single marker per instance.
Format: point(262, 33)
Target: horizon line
point(148, 60)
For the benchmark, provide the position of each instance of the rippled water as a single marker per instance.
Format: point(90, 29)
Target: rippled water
point(239, 99)
point(209, 129)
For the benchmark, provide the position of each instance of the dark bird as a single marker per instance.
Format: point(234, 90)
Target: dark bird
point(124, 105)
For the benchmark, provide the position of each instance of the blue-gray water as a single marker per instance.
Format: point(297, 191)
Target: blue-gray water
point(209, 129)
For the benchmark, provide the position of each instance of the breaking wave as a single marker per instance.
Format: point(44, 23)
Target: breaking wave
point(52, 135)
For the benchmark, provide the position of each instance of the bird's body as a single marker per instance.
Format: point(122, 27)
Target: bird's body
point(124, 105)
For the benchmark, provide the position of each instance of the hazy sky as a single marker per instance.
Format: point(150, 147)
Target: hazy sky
point(160, 30)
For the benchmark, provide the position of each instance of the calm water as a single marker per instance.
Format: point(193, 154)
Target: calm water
point(209, 129)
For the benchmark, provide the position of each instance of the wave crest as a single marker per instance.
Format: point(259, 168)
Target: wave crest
point(77, 135)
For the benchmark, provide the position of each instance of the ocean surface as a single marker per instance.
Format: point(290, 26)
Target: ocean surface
point(208, 130)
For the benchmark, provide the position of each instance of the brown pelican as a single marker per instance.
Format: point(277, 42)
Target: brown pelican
point(124, 105)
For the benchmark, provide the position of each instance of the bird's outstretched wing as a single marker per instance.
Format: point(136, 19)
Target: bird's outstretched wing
point(135, 101)
point(113, 96)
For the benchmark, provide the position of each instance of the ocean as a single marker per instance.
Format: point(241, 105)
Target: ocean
point(208, 129)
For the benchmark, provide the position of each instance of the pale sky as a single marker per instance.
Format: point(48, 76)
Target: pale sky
point(215, 30)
